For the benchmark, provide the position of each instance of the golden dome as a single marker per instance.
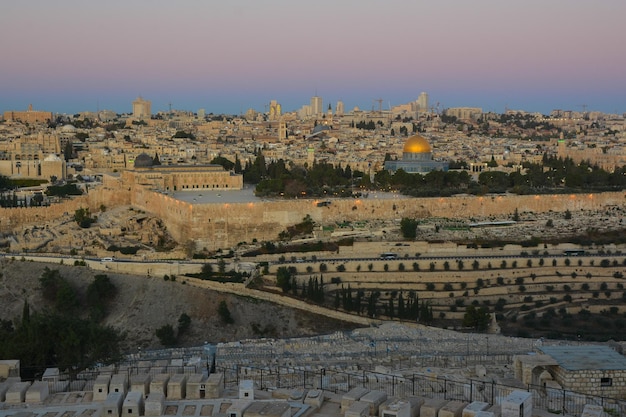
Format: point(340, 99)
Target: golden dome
point(417, 144)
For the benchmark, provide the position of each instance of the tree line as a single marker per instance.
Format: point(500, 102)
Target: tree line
point(68, 334)
point(321, 179)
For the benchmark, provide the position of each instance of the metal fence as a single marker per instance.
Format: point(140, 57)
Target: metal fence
point(558, 401)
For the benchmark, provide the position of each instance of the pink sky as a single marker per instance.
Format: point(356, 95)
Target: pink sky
point(69, 56)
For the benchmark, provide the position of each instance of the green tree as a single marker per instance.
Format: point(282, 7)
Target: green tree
point(283, 278)
point(184, 321)
point(224, 313)
point(166, 335)
point(83, 218)
point(408, 227)
point(477, 318)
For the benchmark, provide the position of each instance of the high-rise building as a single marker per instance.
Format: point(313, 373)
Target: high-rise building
point(316, 105)
point(142, 109)
point(339, 109)
point(275, 110)
point(422, 102)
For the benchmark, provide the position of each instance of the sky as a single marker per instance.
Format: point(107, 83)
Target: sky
point(68, 56)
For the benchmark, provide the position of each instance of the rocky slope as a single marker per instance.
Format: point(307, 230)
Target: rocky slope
point(143, 305)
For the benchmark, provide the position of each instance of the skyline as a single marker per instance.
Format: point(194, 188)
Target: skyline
point(70, 56)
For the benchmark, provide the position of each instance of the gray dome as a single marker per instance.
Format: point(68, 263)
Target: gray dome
point(143, 161)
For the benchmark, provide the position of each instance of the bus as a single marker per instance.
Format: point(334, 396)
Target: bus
point(574, 252)
point(388, 255)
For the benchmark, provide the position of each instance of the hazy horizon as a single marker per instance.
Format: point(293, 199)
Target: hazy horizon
point(70, 56)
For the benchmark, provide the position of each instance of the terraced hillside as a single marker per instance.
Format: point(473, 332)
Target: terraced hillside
point(533, 295)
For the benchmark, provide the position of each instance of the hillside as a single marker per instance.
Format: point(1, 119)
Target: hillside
point(143, 305)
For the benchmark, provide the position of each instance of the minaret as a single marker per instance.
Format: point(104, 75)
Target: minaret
point(282, 130)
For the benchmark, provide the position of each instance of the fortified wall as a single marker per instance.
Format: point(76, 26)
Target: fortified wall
point(214, 226)
point(107, 196)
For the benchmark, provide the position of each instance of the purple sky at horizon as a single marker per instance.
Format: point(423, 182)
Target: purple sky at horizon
point(68, 56)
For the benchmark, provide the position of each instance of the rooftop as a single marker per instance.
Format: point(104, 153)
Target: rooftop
point(586, 357)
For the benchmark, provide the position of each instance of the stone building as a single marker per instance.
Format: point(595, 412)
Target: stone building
point(587, 369)
point(180, 177)
point(417, 157)
point(29, 116)
point(142, 109)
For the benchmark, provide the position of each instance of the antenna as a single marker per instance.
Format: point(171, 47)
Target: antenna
point(380, 104)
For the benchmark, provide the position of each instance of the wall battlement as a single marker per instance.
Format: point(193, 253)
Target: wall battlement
point(223, 225)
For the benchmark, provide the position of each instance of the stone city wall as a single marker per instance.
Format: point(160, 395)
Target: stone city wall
point(222, 225)
point(11, 218)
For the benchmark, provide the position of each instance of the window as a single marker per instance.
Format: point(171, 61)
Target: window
point(606, 382)
point(130, 411)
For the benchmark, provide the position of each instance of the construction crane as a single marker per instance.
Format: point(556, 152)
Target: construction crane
point(380, 104)
point(436, 109)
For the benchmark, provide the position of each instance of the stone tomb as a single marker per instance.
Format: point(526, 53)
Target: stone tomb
point(268, 409)
point(518, 404)
point(141, 383)
point(314, 398)
point(592, 410)
point(453, 409)
point(176, 387)
point(38, 392)
point(101, 387)
point(159, 383)
point(475, 407)
point(133, 404)
point(431, 407)
point(215, 385)
point(119, 383)
point(374, 398)
point(112, 406)
point(16, 393)
point(396, 407)
point(237, 408)
point(196, 387)
point(358, 409)
point(352, 396)
point(155, 404)
point(246, 389)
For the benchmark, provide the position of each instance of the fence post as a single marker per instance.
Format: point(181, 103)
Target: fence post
point(393, 385)
point(237, 374)
point(445, 389)
point(363, 378)
point(563, 402)
point(471, 397)
point(412, 384)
